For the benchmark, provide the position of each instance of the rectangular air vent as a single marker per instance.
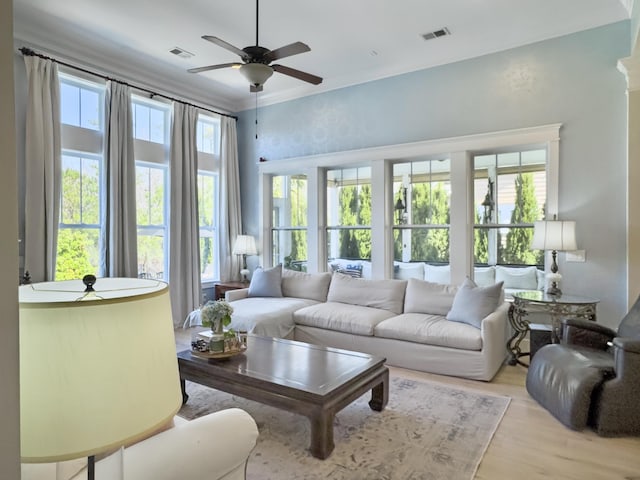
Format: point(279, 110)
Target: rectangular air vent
point(438, 33)
point(181, 52)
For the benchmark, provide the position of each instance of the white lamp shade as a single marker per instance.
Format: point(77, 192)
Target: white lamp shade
point(256, 73)
point(554, 235)
point(98, 373)
point(245, 245)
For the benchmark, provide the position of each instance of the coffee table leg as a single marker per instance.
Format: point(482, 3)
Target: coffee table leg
point(185, 397)
point(321, 434)
point(380, 394)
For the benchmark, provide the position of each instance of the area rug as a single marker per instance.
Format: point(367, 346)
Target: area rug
point(428, 431)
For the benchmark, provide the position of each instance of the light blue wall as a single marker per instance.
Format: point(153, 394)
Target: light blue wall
point(571, 80)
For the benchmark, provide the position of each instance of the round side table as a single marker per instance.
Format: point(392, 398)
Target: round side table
point(556, 306)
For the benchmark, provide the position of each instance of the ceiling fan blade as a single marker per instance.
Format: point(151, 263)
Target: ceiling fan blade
point(213, 67)
point(255, 88)
point(287, 51)
point(223, 44)
point(292, 72)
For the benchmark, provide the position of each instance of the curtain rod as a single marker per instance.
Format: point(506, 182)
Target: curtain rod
point(31, 53)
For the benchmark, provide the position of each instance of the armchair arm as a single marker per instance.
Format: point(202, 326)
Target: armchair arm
point(211, 446)
point(233, 295)
point(576, 331)
point(631, 345)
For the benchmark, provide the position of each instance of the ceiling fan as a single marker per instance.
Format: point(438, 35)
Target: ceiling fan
point(256, 61)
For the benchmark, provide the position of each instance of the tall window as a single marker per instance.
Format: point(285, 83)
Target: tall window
point(509, 195)
point(208, 145)
point(422, 211)
point(151, 137)
point(289, 222)
point(349, 213)
point(81, 112)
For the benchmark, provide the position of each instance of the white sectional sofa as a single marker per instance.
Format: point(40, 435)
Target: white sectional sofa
point(413, 323)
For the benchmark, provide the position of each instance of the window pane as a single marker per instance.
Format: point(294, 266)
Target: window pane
point(514, 247)
point(150, 195)
point(90, 191)
point(290, 249)
point(289, 212)
point(151, 254)
point(141, 121)
point(157, 125)
point(71, 205)
point(207, 183)
point(429, 245)
point(90, 109)
point(352, 243)
point(78, 253)
point(206, 136)
point(70, 104)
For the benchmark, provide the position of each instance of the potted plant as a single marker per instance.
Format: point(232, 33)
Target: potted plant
point(217, 315)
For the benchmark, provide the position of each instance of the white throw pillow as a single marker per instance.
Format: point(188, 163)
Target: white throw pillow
point(473, 303)
point(484, 276)
point(428, 297)
point(437, 273)
point(266, 283)
point(313, 286)
point(523, 278)
point(405, 271)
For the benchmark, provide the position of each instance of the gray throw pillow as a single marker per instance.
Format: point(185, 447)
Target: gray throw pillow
point(472, 303)
point(266, 283)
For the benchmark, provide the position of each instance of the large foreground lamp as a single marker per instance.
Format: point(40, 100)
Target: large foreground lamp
point(98, 366)
point(245, 245)
point(557, 236)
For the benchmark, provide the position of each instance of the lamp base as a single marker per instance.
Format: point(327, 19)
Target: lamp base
point(554, 290)
point(244, 274)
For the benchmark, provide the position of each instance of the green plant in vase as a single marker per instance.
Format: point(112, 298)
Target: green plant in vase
point(216, 315)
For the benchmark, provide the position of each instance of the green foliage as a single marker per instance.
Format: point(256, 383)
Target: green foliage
point(355, 210)
point(73, 260)
point(430, 206)
point(480, 242)
point(526, 210)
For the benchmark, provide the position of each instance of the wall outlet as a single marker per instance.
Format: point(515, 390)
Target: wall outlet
point(576, 256)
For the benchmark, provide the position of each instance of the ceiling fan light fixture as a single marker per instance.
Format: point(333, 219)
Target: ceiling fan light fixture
point(256, 73)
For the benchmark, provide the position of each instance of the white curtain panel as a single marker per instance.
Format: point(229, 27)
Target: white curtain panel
point(230, 212)
point(42, 169)
point(184, 237)
point(119, 249)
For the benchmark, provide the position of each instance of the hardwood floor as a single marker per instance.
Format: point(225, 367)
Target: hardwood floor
point(530, 444)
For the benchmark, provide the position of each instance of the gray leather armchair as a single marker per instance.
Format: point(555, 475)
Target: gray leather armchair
point(592, 377)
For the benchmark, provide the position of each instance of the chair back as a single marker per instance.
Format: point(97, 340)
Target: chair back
point(630, 324)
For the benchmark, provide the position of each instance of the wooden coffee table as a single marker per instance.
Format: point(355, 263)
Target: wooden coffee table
point(307, 379)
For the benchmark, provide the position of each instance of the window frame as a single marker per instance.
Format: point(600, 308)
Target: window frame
point(460, 151)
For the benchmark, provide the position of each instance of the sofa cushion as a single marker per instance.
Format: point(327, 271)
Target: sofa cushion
point(266, 283)
point(405, 271)
point(428, 297)
point(473, 303)
point(341, 317)
point(484, 276)
point(267, 316)
point(437, 273)
point(382, 294)
point(313, 286)
point(523, 278)
point(430, 330)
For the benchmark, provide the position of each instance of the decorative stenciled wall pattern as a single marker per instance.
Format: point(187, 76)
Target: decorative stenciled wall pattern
point(571, 80)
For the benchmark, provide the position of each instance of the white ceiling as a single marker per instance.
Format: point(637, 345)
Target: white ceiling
point(352, 41)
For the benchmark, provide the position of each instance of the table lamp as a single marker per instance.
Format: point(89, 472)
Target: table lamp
point(244, 245)
point(554, 235)
point(98, 366)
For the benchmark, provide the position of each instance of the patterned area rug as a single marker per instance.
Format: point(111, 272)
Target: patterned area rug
point(427, 432)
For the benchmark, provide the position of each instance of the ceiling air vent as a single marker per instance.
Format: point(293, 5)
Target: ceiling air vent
point(181, 52)
point(437, 33)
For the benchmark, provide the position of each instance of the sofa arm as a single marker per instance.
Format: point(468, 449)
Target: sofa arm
point(233, 295)
point(494, 330)
point(576, 331)
point(212, 446)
